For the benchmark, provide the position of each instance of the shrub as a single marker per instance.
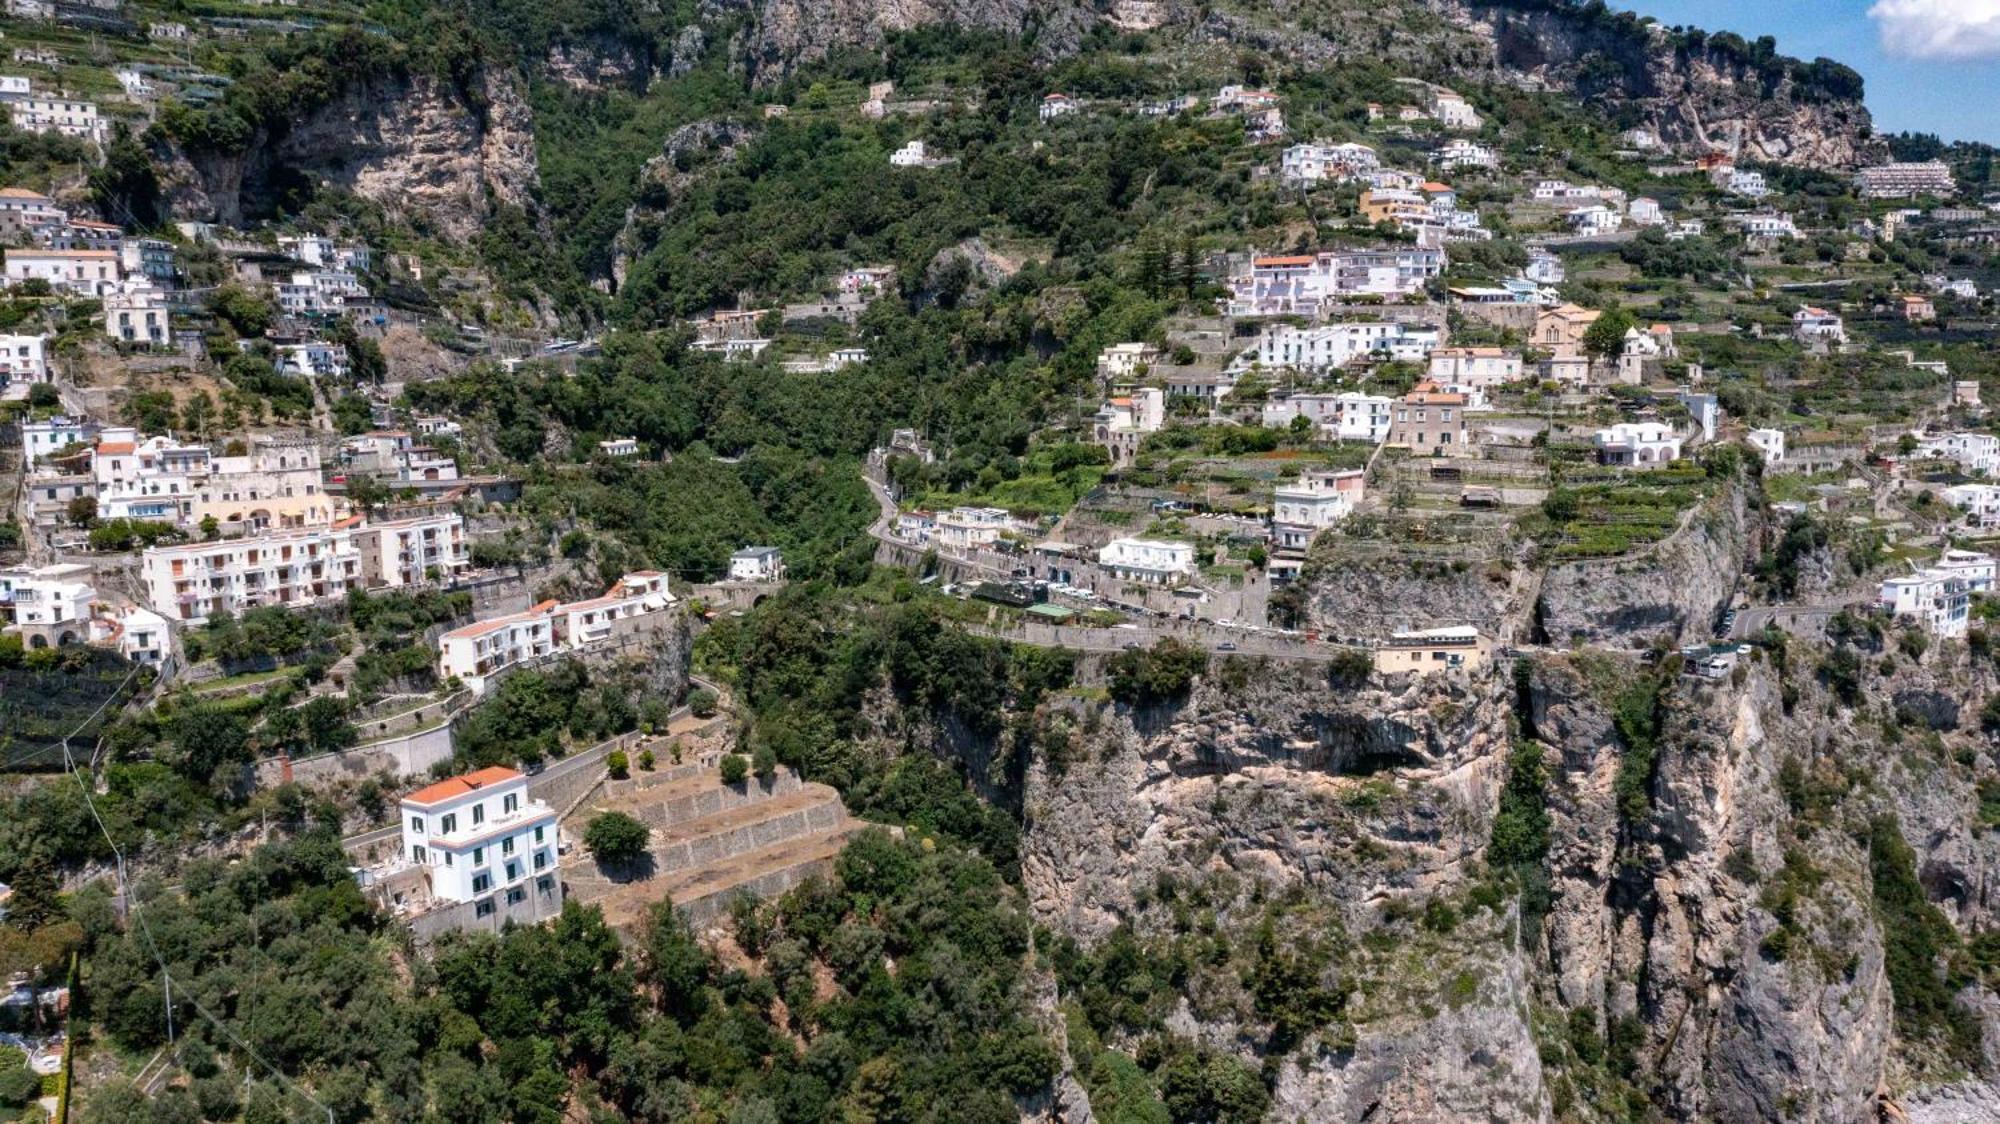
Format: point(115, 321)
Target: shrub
point(647, 760)
point(702, 701)
point(764, 763)
point(615, 838)
point(619, 765)
point(734, 768)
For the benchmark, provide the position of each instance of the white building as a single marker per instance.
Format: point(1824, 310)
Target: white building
point(1974, 452)
point(477, 654)
point(1474, 367)
point(914, 155)
point(46, 438)
point(481, 838)
point(1765, 224)
point(1299, 284)
point(1645, 211)
point(322, 252)
point(1319, 161)
point(1937, 599)
point(86, 273)
point(582, 624)
point(1124, 361)
point(1057, 105)
point(1974, 567)
point(1452, 110)
point(23, 360)
point(295, 568)
point(66, 116)
point(1770, 444)
point(1594, 219)
point(1122, 424)
point(1147, 561)
point(1543, 268)
point(1739, 181)
point(1563, 191)
point(139, 634)
point(1638, 444)
point(1286, 346)
point(1817, 325)
point(756, 564)
point(1905, 181)
point(136, 313)
point(315, 358)
point(965, 529)
point(1980, 502)
point(1461, 153)
point(1318, 500)
point(1349, 416)
point(48, 606)
point(619, 446)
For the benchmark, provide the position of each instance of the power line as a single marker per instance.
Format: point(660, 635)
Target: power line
point(134, 913)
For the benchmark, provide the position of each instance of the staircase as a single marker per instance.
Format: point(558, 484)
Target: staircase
point(711, 842)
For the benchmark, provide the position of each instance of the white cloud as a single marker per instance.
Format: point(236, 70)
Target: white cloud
point(1939, 29)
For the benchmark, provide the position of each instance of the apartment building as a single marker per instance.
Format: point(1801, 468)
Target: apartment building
point(964, 529)
point(1462, 153)
point(1477, 367)
point(1319, 161)
point(479, 653)
point(313, 358)
point(1979, 502)
point(1299, 284)
point(1906, 180)
point(67, 116)
point(84, 273)
point(756, 564)
point(136, 313)
point(641, 593)
point(478, 840)
point(1348, 416)
point(1147, 561)
point(299, 567)
point(1974, 452)
point(410, 551)
point(1336, 345)
point(1123, 361)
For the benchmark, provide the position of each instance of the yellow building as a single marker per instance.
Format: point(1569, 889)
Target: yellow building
point(1434, 649)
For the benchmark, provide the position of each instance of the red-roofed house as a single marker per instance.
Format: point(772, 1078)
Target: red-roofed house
point(475, 845)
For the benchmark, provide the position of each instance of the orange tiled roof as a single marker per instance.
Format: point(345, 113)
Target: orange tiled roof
point(453, 787)
point(115, 448)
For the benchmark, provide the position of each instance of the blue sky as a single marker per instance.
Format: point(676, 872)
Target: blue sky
point(1932, 66)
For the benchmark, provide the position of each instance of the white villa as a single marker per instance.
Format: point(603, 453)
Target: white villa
point(1147, 561)
point(1638, 444)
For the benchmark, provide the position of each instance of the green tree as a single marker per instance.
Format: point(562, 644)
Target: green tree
point(1605, 338)
point(615, 838)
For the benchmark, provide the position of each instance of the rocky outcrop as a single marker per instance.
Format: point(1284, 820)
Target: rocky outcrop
point(1670, 590)
point(1698, 93)
point(790, 32)
point(441, 157)
point(1360, 589)
point(1372, 802)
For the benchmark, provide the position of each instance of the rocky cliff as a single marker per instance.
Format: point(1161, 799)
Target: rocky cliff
point(423, 150)
point(1671, 590)
point(1696, 92)
point(1720, 926)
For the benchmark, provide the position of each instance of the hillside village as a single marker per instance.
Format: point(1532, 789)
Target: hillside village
point(1211, 577)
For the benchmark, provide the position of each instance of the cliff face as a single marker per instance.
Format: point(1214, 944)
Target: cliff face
point(416, 146)
point(1696, 94)
point(786, 33)
point(1715, 901)
point(1672, 589)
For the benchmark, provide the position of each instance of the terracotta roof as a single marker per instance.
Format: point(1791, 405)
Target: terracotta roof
point(1290, 259)
point(114, 448)
point(453, 787)
point(481, 628)
point(20, 193)
point(61, 254)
